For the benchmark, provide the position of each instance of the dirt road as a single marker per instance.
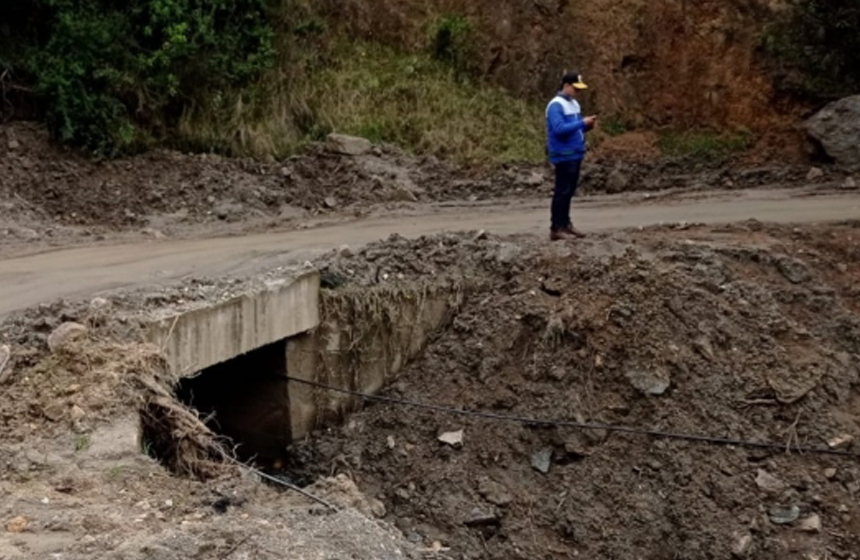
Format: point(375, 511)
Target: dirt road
point(29, 280)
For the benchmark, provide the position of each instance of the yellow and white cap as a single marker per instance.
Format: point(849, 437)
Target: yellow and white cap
point(574, 79)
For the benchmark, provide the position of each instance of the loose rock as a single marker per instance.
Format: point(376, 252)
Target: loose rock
point(704, 347)
point(742, 547)
point(769, 483)
point(77, 413)
point(5, 357)
point(651, 382)
point(494, 492)
point(17, 525)
point(811, 524)
point(541, 460)
point(840, 442)
point(784, 515)
point(403, 194)
point(99, 305)
point(793, 270)
point(837, 129)
point(228, 210)
point(480, 518)
point(454, 439)
point(64, 334)
point(575, 449)
point(349, 145)
point(814, 174)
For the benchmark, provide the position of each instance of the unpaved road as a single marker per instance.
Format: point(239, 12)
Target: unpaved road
point(26, 281)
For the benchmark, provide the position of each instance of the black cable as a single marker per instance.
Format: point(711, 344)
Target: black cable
point(583, 425)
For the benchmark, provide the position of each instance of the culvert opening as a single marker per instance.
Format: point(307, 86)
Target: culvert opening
point(245, 399)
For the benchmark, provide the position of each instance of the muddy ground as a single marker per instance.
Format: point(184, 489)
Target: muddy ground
point(745, 332)
point(748, 331)
point(52, 197)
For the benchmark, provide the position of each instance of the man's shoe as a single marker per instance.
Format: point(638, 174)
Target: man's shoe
point(570, 230)
point(558, 235)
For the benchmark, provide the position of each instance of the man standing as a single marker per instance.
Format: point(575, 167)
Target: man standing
point(566, 146)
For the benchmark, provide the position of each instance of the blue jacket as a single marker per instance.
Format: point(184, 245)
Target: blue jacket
point(565, 130)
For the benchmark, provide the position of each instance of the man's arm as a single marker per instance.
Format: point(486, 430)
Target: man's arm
point(558, 125)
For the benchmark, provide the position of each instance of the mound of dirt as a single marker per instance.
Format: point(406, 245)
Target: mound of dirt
point(746, 332)
point(70, 189)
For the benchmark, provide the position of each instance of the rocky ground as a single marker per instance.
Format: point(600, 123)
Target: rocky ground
point(745, 332)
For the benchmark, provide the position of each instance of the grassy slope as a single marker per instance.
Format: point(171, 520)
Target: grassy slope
point(377, 92)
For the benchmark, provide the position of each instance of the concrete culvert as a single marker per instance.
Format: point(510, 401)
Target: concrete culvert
point(245, 399)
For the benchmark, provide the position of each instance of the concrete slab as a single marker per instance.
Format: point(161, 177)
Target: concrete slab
point(327, 355)
point(196, 339)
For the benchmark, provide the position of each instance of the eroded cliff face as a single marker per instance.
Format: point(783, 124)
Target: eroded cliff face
point(679, 63)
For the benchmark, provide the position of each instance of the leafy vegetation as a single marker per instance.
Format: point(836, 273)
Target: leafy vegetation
point(452, 42)
point(252, 77)
point(111, 76)
point(817, 48)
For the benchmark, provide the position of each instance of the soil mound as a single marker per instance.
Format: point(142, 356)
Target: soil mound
point(746, 332)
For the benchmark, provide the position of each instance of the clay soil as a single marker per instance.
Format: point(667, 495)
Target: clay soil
point(745, 332)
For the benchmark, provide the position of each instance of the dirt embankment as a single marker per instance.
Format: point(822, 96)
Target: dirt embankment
point(676, 63)
point(745, 332)
point(54, 197)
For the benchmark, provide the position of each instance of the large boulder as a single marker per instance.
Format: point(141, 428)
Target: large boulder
point(349, 145)
point(837, 129)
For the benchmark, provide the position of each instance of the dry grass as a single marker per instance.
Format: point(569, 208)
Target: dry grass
point(373, 91)
point(103, 379)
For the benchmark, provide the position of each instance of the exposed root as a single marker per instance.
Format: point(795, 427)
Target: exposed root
point(177, 437)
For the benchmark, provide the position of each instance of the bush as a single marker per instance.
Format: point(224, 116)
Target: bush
point(112, 75)
point(817, 48)
point(453, 43)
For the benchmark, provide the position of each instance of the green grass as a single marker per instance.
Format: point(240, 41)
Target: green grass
point(411, 100)
point(704, 145)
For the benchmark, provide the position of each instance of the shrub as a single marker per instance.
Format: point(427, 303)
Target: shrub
point(111, 75)
point(453, 43)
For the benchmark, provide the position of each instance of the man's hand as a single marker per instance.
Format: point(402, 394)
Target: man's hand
point(590, 122)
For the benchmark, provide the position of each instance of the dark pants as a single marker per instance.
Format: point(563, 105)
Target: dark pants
point(566, 181)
